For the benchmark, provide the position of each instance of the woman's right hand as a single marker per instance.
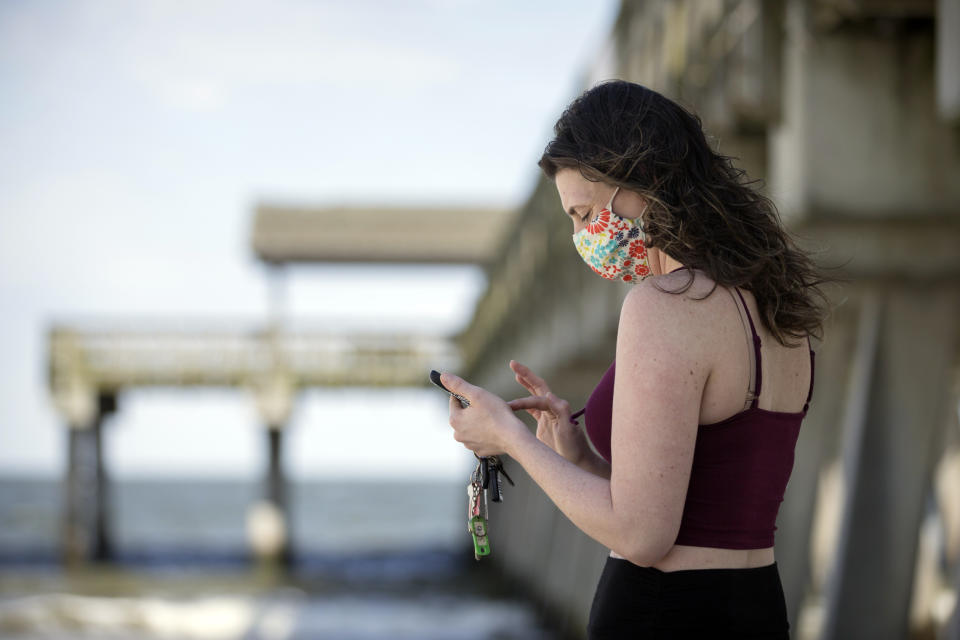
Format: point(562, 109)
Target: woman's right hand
point(554, 427)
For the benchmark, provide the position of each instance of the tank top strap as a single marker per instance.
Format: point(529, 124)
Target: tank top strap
point(810, 392)
point(756, 350)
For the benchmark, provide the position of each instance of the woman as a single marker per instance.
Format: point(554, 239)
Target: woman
point(693, 427)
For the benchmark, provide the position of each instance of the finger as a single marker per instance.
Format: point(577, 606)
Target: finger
point(526, 385)
point(528, 378)
point(457, 385)
point(531, 387)
point(535, 413)
point(518, 368)
point(549, 402)
point(530, 402)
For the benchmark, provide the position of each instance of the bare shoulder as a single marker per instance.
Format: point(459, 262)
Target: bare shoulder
point(670, 339)
point(666, 306)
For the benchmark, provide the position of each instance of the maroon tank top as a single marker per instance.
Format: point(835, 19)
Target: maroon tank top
point(740, 465)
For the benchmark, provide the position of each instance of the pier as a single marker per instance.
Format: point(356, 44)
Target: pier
point(91, 366)
point(849, 111)
point(90, 370)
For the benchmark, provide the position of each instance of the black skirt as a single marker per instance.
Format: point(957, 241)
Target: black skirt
point(645, 603)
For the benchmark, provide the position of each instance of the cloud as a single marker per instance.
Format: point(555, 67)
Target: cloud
point(203, 72)
point(198, 56)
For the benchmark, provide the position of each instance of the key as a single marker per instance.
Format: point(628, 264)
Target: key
point(484, 472)
point(473, 495)
point(489, 473)
point(496, 493)
point(485, 510)
point(496, 468)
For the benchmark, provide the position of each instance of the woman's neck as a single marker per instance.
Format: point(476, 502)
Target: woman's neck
point(665, 263)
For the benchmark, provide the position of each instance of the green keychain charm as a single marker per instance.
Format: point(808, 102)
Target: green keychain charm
point(477, 515)
point(478, 531)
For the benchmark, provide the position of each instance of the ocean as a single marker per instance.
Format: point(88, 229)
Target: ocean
point(371, 560)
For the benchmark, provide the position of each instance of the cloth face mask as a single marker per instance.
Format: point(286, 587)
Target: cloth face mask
point(613, 246)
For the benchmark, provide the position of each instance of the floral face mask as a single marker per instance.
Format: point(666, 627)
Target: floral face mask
point(614, 247)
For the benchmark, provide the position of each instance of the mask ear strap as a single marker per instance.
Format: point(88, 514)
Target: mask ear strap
point(646, 205)
point(643, 230)
point(610, 204)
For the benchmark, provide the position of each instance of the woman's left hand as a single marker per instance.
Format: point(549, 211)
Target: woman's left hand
point(488, 426)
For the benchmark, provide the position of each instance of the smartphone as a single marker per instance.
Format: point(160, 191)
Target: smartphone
point(435, 379)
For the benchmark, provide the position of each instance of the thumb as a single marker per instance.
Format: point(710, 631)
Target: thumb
point(456, 384)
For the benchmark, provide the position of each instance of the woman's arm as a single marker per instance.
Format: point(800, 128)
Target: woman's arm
point(595, 464)
point(584, 497)
point(657, 395)
point(663, 362)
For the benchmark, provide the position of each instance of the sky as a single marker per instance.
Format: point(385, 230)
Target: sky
point(136, 138)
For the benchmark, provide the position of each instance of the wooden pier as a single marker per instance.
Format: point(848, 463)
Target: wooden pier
point(91, 368)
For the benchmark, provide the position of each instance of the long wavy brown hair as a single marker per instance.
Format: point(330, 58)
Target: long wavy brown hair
point(703, 211)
